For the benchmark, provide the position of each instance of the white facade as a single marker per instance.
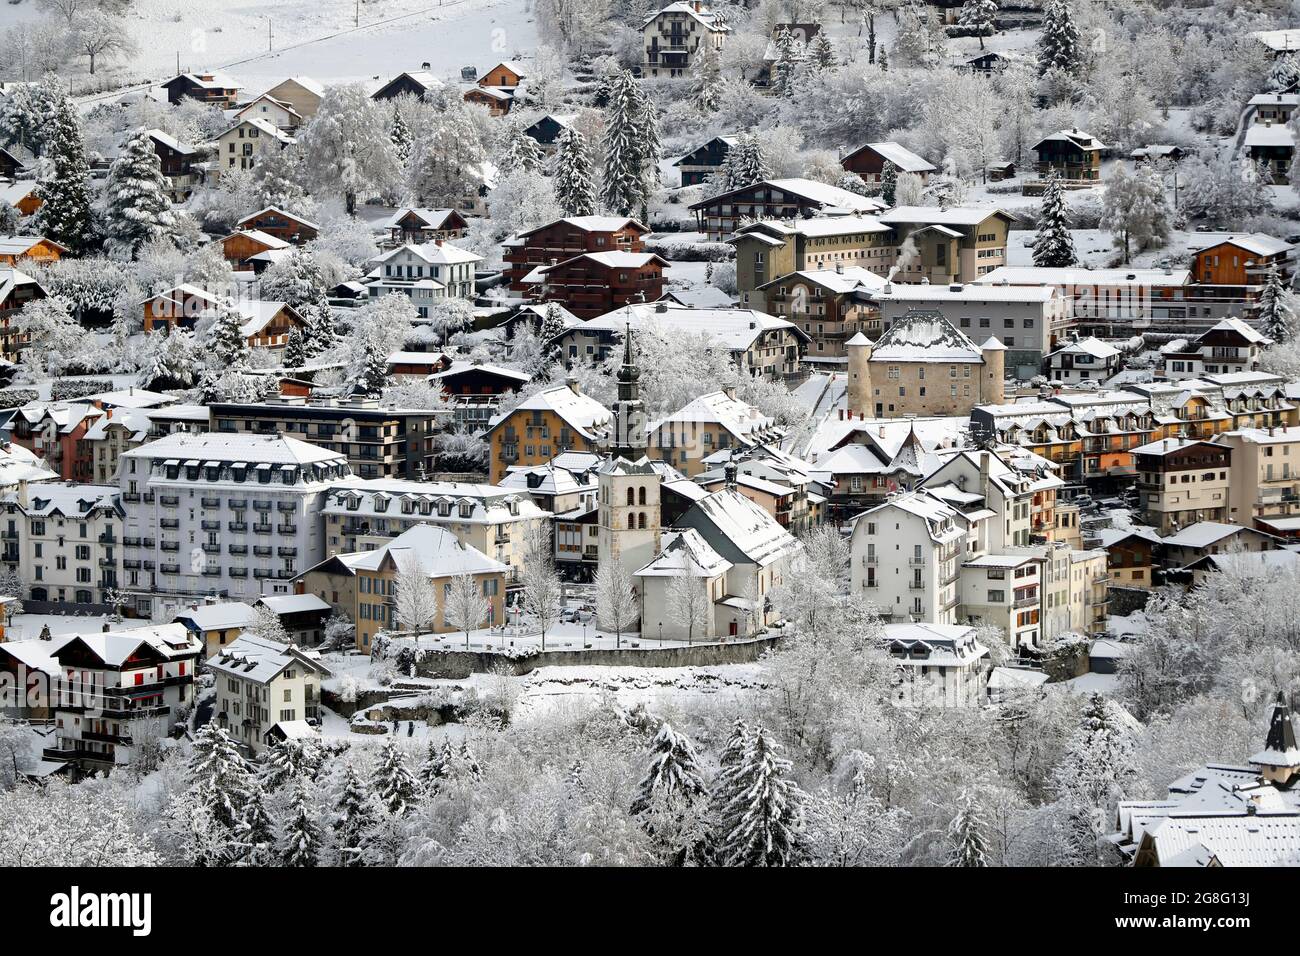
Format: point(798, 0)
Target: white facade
point(937, 665)
point(220, 514)
point(65, 541)
point(426, 273)
point(260, 683)
point(905, 558)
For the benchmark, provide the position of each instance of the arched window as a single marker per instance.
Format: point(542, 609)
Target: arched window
point(631, 496)
point(641, 523)
point(641, 496)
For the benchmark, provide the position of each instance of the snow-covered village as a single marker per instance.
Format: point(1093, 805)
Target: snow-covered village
point(630, 433)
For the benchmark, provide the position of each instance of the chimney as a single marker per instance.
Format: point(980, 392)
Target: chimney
point(839, 268)
point(573, 385)
point(730, 470)
point(985, 456)
point(729, 391)
point(841, 414)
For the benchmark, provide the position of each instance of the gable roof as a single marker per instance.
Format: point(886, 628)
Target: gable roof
point(582, 413)
point(816, 193)
point(925, 335)
point(904, 159)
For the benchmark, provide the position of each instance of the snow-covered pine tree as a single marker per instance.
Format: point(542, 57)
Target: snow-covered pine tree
point(295, 349)
point(353, 816)
point(321, 335)
point(467, 762)
point(674, 771)
point(790, 55)
point(370, 375)
point(888, 182)
point(290, 760)
point(136, 208)
point(1059, 46)
point(1277, 318)
point(26, 110)
point(574, 189)
point(219, 776)
point(966, 834)
point(301, 841)
point(631, 147)
point(1054, 244)
point(706, 79)
point(733, 751)
point(746, 164)
point(401, 136)
point(852, 182)
point(1095, 771)
point(522, 152)
point(254, 839)
point(395, 785)
point(439, 764)
point(978, 16)
point(1285, 74)
point(64, 188)
point(761, 819)
point(822, 52)
point(227, 344)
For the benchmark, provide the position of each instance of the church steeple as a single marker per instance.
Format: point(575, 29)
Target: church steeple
point(1279, 761)
point(629, 439)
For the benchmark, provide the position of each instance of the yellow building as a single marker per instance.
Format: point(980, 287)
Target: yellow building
point(554, 420)
point(711, 423)
point(362, 584)
point(1264, 485)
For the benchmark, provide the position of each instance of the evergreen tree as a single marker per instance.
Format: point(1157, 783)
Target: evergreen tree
point(966, 834)
point(978, 16)
point(1285, 74)
point(1054, 245)
point(300, 843)
point(746, 163)
point(763, 813)
point(295, 350)
point(790, 55)
point(888, 182)
point(26, 110)
point(137, 210)
point(219, 776)
point(1097, 768)
point(255, 832)
point(631, 148)
point(574, 190)
point(1059, 46)
point(227, 344)
point(395, 785)
point(290, 760)
point(401, 136)
point(706, 79)
point(522, 152)
point(370, 375)
point(1277, 319)
point(64, 188)
point(468, 763)
point(278, 181)
point(354, 814)
point(439, 764)
point(822, 52)
point(674, 771)
point(320, 335)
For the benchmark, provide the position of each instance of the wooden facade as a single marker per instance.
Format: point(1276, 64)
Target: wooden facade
point(281, 224)
point(703, 161)
point(588, 285)
point(565, 238)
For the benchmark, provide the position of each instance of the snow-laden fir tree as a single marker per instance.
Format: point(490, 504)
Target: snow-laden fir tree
point(1054, 244)
point(289, 761)
point(64, 188)
point(1285, 73)
point(821, 52)
point(219, 775)
point(762, 808)
point(978, 16)
point(790, 55)
point(967, 843)
point(746, 163)
point(175, 360)
point(401, 137)
point(628, 148)
point(888, 182)
point(674, 771)
point(707, 83)
point(1277, 318)
point(320, 335)
point(467, 762)
point(395, 785)
point(354, 813)
point(226, 344)
point(301, 841)
point(1097, 769)
point(521, 152)
point(574, 189)
point(369, 375)
point(25, 112)
point(136, 208)
point(439, 765)
point(1059, 45)
point(852, 182)
point(295, 349)
point(254, 838)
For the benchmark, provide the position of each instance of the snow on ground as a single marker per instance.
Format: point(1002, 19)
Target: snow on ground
point(559, 637)
point(26, 626)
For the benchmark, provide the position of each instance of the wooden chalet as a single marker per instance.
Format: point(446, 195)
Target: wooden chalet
point(565, 238)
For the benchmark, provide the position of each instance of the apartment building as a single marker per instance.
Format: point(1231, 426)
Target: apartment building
point(1264, 478)
point(674, 35)
point(768, 249)
point(224, 515)
point(565, 238)
point(938, 665)
point(115, 690)
point(365, 515)
point(906, 558)
point(424, 273)
point(65, 540)
point(555, 420)
point(1182, 481)
point(378, 440)
point(1227, 347)
point(719, 216)
point(709, 424)
point(260, 684)
point(830, 305)
point(1002, 590)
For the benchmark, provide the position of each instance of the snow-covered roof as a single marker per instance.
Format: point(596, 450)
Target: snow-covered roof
point(1255, 242)
point(934, 645)
point(265, 127)
point(1084, 141)
point(731, 329)
point(593, 224)
point(745, 422)
point(582, 413)
point(839, 281)
point(1202, 534)
point(924, 335)
point(483, 504)
point(293, 603)
point(1090, 346)
point(972, 293)
point(821, 194)
point(1071, 276)
point(1275, 98)
point(236, 447)
point(215, 617)
point(938, 216)
point(114, 648)
point(69, 499)
point(432, 218)
point(611, 260)
point(709, 297)
point(1259, 134)
point(258, 236)
point(904, 159)
point(1279, 41)
point(433, 549)
point(706, 18)
point(279, 212)
point(746, 526)
point(437, 252)
point(685, 553)
point(256, 659)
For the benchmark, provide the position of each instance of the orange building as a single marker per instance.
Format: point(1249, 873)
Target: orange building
point(554, 420)
point(1241, 261)
point(34, 248)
